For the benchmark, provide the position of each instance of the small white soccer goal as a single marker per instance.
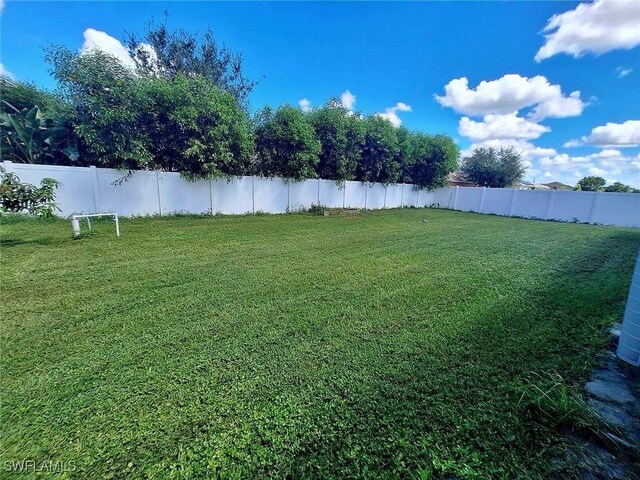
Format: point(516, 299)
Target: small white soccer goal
point(75, 222)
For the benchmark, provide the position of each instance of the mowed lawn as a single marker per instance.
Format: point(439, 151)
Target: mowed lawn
point(380, 345)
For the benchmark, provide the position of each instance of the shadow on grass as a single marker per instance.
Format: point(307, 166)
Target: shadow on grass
point(471, 407)
point(41, 241)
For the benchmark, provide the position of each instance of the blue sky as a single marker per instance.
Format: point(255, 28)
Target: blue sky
point(386, 53)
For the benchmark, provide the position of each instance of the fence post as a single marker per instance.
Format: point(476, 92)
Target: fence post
point(97, 204)
point(512, 205)
point(366, 195)
point(594, 206)
point(318, 191)
point(418, 197)
point(288, 195)
point(211, 195)
point(547, 209)
point(158, 190)
point(253, 194)
point(402, 197)
point(482, 195)
point(384, 205)
point(455, 197)
point(344, 194)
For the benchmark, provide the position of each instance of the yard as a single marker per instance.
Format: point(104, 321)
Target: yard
point(378, 345)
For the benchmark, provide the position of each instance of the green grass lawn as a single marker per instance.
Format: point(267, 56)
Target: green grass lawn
point(372, 346)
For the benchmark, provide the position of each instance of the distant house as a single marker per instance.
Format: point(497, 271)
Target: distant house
point(558, 186)
point(524, 185)
point(456, 179)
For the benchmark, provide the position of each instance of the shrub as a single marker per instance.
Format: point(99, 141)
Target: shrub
point(380, 152)
point(341, 135)
point(18, 197)
point(286, 144)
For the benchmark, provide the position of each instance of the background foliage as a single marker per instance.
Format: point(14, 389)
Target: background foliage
point(184, 108)
point(490, 167)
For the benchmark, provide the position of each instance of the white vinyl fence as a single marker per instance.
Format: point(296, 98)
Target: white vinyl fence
point(91, 190)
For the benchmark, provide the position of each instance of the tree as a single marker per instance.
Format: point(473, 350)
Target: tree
point(618, 187)
point(286, 143)
point(128, 121)
point(591, 184)
point(380, 151)
point(433, 158)
point(405, 157)
point(194, 127)
point(165, 53)
point(341, 135)
point(107, 108)
point(490, 167)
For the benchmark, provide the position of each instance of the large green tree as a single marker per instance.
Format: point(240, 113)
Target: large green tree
point(490, 167)
point(433, 158)
point(620, 187)
point(341, 135)
point(107, 107)
point(286, 143)
point(167, 53)
point(380, 151)
point(128, 121)
point(194, 127)
point(591, 184)
point(405, 156)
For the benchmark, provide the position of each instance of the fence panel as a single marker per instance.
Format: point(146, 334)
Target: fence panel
point(232, 196)
point(617, 209)
point(178, 195)
point(375, 196)
point(355, 194)
point(469, 199)
point(497, 201)
point(303, 194)
point(136, 194)
point(271, 195)
point(571, 206)
point(331, 195)
point(394, 196)
point(443, 197)
point(531, 203)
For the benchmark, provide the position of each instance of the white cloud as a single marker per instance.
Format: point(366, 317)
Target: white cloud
point(610, 164)
point(348, 100)
point(494, 126)
point(622, 72)
point(511, 93)
point(625, 134)
point(98, 40)
point(305, 105)
point(596, 27)
point(4, 72)
point(391, 113)
point(1, 5)
point(527, 150)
